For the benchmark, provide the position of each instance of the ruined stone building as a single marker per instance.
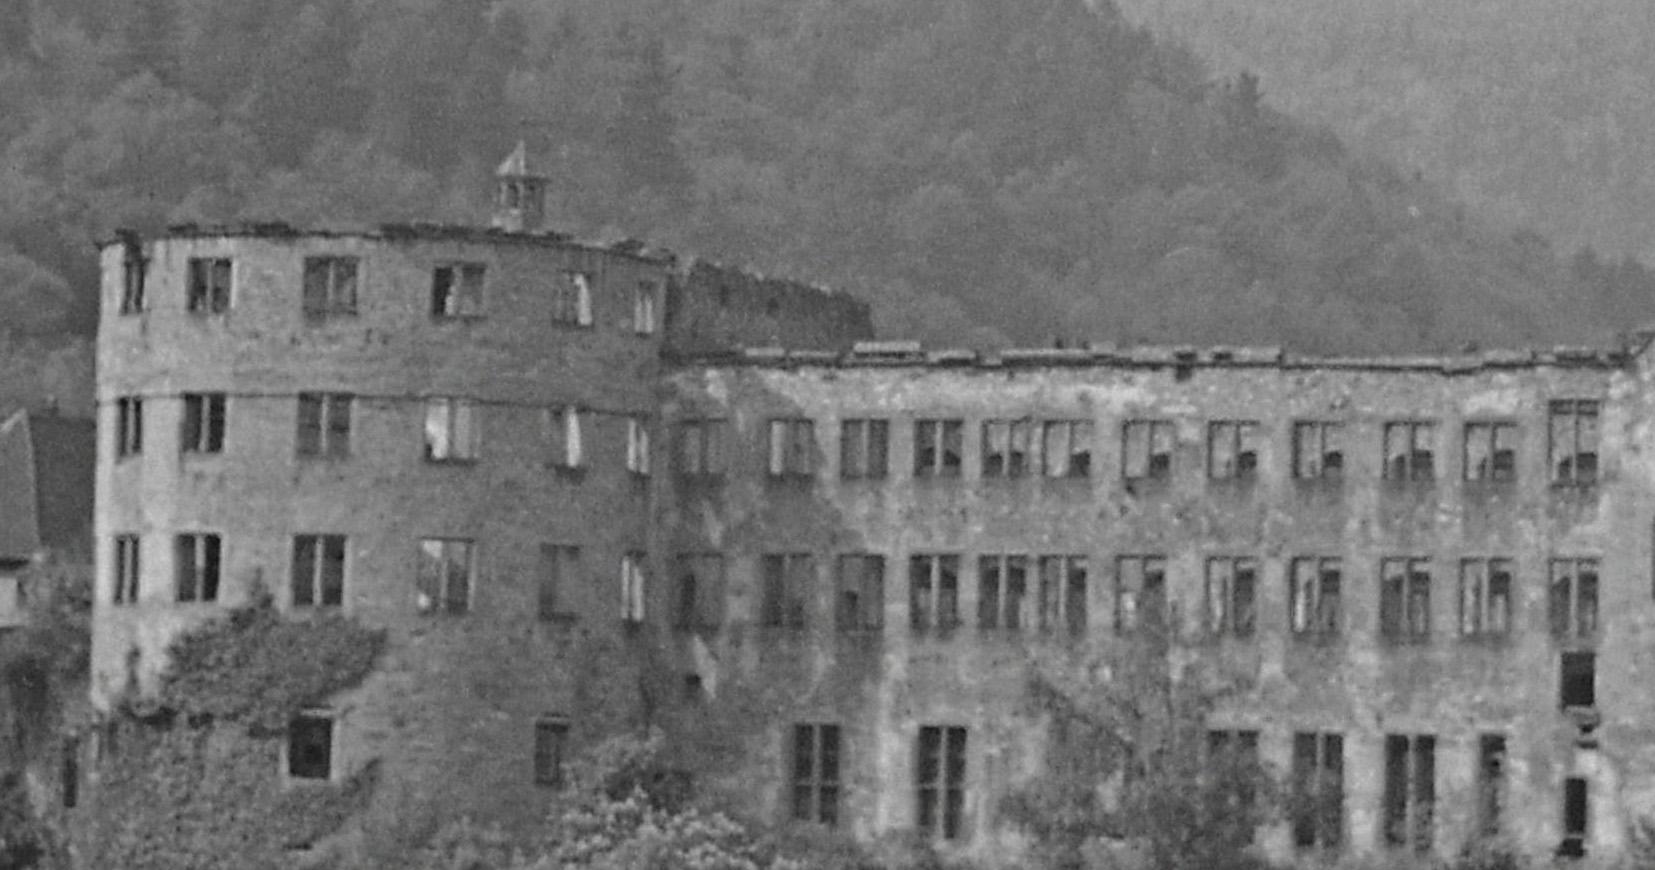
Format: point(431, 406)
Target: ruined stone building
point(584, 484)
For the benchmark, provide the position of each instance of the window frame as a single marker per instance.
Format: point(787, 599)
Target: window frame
point(200, 580)
point(204, 293)
point(204, 423)
point(134, 277)
point(859, 603)
point(1130, 595)
point(1007, 462)
point(572, 300)
point(328, 286)
point(645, 296)
point(933, 592)
point(1004, 604)
point(447, 412)
point(785, 584)
point(1239, 439)
point(941, 766)
point(699, 447)
point(551, 744)
point(1061, 601)
point(129, 426)
point(634, 587)
point(1419, 463)
point(1317, 819)
point(558, 567)
point(1405, 627)
point(1153, 465)
point(562, 433)
point(1481, 618)
point(462, 296)
point(1231, 605)
point(637, 446)
point(290, 759)
point(127, 567)
point(1080, 437)
point(864, 448)
point(319, 585)
point(791, 449)
point(1574, 617)
point(1318, 434)
point(815, 786)
point(933, 459)
point(1414, 793)
point(439, 600)
point(1481, 453)
point(1317, 619)
point(698, 604)
point(325, 432)
point(1575, 411)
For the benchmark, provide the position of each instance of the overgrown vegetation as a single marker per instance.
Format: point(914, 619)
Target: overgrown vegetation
point(190, 777)
point(986, 172)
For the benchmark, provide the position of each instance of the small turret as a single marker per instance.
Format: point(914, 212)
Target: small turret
point(519, 194)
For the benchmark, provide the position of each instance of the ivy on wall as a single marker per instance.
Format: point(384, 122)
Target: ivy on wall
point(189, 777)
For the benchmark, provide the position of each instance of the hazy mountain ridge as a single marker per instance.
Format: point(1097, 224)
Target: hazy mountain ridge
point(991, 172)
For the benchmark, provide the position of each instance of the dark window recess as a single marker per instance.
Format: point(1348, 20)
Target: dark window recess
point(1574, 599)
point(1318, 800)
point(203, 423)
point(1146, 452)
point(208, 285)
point(1410, 451)
point(1231, 590)
point(1233, 767)
point(792, 448)
point(127, 569)
point(310, 746)
point(1491, 452)
point(1575, 817)
point(556, 574)
point(1578, 680)
point(1573, 449)
point(699, 451)
point(196, 558)
point(788, 579)
point(1410, 790)
point(329, 287)
point(1405, 600)
point(70, 772)
point(324, 425)
point(941, 781)
point(1140, 594)
point(1066, 448)
point(1062, 594)
point(815, 777)
point(134, 269)
point(938, 447)
point(1316, 596)
point(1491, 783)
point(1318, 450)
point(318, 570)
point(1006, 448)
point(1002, 587)
point(457, 290)
point(129, 426)
point(1233, 450)
point(551, 737)
point(861, 586)
point(1485, 598)
point(864, 449)
point(933, 592)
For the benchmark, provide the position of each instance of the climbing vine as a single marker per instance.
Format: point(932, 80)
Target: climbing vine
point(189, 777)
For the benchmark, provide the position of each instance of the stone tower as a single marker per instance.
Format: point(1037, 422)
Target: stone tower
point(519, 194)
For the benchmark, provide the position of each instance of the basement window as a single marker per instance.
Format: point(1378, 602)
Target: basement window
point(457, 290)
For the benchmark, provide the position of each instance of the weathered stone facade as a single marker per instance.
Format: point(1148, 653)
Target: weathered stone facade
point(1195, 463)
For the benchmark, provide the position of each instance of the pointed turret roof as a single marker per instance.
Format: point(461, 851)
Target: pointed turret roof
point(517, 162)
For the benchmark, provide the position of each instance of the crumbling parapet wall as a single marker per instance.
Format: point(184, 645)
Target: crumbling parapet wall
point(712, 307)
point(1361, 685)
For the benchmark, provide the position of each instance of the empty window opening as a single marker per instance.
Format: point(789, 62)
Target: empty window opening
point(1231, 590)
point(700, 448)
point(941, 781)
point(1006, 446)
point(788, 579)
point(1491, 783)
point(572, 300)
point(209, 285)
point(556, 576)
point(310, 746)
point(637, 446)
point(1410, 790)
point(1574, 599)
point(938, 446)
point(1316, 596)
point(457, 290)
point(127, 570)
point(196, 560)
point(1491, 452)
point(1485, 598)
point(1405, 599)
point(933, 592)
point(129, 426)
point(1233, 771)
point(1575, 818)
point(69, 773)
point(551, 739)
point(1410, 451)
point(447, 567)
point(324, 428)
point(792, 448)
point(318, 570)
point(643, 307)
point(861, 587)
point(632, 587)
point(1063, 594)
point(1146, 449)
point(815, 777)
point(1002, 582)
point(1318, 450)
point(1140, 594)
point(1578, 680)
point(561, 434)
point(134, 269)
point(329, 287)
point(699, 595)
point(451, 430)
point(1066, 448)
point(1573, 450)
point(1233, 450)
point(203, 423)
point(1318, 806)
point(864, 449)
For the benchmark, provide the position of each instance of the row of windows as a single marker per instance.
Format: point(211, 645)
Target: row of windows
point(1065, 448)
point(1316, 805)
point(1049, 594)
point(329, 290)
point(451, 429)
point(1015, 592)
point(444, 578)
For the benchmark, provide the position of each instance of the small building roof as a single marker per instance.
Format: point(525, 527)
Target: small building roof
point(517, 163)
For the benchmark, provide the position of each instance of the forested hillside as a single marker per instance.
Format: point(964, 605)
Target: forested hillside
point(985, 172)
point(1537, 111)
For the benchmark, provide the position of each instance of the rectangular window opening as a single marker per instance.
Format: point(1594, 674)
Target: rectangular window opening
point(1146, 450)
point(551, 738)
point(1573, 448)
point(329, 287)
point(933, 592)
point(788, 579)
point(209, 285)
point(310, 746)
point(1233, 450)
point(444, 580)
point(196, 559)
point(203, 423)
point(457, 290)
point(557, 574)
point(1410, 451)
point(864, 449)
point(318, 570)
point(1315, 597)
point(938, 448)
point(451, 430)
point(1318, 450)
point(941, 782)
point(861, 586)
point(815, 779)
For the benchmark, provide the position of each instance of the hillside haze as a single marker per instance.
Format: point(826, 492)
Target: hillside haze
point(986, 173)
